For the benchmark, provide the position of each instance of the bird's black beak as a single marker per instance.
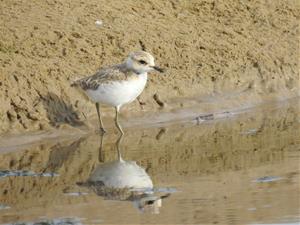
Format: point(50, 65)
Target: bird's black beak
point(158, 69)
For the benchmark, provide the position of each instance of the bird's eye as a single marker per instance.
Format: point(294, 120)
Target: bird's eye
point(142, 62)
point(150, 202)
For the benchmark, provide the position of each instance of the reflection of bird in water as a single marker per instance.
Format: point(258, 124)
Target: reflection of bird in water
point(126, 181)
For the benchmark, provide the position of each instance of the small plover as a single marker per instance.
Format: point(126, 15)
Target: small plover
point(118, 84)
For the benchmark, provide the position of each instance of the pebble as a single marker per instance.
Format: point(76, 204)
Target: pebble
point(99, 23)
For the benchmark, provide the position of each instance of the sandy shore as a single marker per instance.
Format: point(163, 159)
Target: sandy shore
point(209, 48)
point(214, 112)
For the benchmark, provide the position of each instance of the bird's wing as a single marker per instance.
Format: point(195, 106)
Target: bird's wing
point(102, 76)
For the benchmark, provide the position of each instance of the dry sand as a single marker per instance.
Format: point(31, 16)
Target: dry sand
point(210, 48)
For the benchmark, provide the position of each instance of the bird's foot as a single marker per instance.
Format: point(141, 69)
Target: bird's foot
point(101, 131)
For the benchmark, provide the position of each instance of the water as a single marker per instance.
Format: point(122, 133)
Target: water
point(238, 170)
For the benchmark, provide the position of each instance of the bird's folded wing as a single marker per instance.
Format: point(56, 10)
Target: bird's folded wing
point(102, 76)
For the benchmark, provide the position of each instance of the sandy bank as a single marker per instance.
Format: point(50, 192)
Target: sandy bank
point(210, 48)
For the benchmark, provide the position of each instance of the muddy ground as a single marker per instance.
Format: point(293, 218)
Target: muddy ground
point(246, 49)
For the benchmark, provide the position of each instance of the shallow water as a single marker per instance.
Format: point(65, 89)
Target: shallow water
point(238, 170)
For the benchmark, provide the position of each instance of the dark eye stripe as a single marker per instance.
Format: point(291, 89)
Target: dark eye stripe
point(142, 62)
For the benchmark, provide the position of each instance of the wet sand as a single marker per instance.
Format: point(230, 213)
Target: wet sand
point(242, 169)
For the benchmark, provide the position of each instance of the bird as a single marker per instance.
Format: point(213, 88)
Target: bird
point(118, 84)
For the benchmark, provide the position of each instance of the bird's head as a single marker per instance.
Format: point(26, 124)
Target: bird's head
point(141, 62)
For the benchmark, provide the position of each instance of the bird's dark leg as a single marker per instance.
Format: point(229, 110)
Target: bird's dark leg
point(117, 108)
point(99, 118)
point(101, 156)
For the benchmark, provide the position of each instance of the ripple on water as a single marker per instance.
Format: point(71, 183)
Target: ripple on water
point(58, 221)
point(267, 179)
point(24, 173)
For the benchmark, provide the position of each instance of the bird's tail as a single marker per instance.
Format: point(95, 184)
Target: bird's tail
point(75, 83)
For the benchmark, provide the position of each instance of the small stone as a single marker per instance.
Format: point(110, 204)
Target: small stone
point(99, 23)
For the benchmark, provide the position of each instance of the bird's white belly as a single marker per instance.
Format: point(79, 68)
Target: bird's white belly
point(118, 93)
point(122, 174)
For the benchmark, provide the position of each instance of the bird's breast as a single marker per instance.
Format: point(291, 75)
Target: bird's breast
point(117, 93)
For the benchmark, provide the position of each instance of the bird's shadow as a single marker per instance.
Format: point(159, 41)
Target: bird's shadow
point(60, 112)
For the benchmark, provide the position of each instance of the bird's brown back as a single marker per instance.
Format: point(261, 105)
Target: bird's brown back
point(105, 76)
